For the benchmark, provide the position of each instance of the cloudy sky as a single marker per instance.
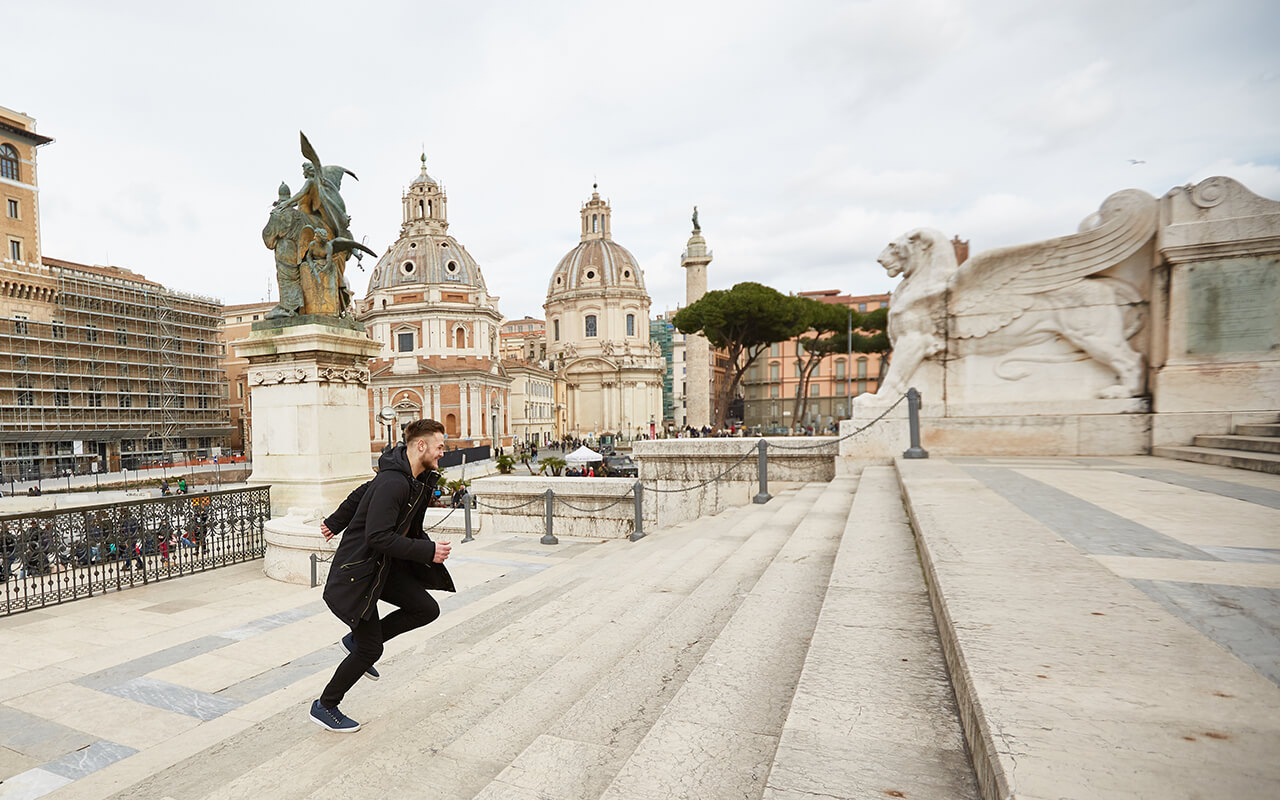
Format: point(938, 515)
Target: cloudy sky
point(808, 132)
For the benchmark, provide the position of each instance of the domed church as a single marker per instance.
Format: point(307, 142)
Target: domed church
point(429, 308)
point(597, 313)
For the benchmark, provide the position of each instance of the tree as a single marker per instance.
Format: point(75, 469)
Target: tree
point(553, 463)
point(744, 321)
point(870, 336)
point(828, 323)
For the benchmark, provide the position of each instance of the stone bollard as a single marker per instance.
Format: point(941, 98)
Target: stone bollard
point(638, 533)
point(549, 537)
point(762, 468)
point(913, 422)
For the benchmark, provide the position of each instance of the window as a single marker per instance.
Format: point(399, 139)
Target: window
point(126, 399)
point(594, 220)
point(817, 369)
point(20, 326)
point(773, 390)
point(862, 368)
point(58, 330)
point(94, 400)
point(862, 387)
point(862, 306)
point(202, 402)
point(122, 339)
point(91, 334)
point(631, 324)
point(180, 402)
point(62, 399)
point(404, 342)
point(775, 349)
point(15, 250)
point(799, 368)
point(13, 209)
point(9, 163)
point(840, 368)
point(460, 338)
point(813, 390)
point(591, 325)
point(255, 318)
point(24, 398)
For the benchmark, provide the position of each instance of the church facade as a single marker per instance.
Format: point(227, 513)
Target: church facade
point(597, 328)
point(428, 306)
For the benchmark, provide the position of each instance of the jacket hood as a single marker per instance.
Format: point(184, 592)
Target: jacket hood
point(396, 459)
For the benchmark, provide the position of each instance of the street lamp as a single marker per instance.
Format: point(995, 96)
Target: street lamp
point(387, 416)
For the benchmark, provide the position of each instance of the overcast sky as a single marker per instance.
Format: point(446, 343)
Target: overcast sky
point(809, 133)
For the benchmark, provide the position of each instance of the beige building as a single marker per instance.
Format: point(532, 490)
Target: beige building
point(523, 339)
point(429, 308)
point(533, 401)
point(237, 321)
point(19, 189)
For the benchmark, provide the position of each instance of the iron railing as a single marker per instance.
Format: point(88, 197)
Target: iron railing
point(53, 557)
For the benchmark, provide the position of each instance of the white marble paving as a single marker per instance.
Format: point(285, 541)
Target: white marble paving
point(31, 784)
point(171, 697)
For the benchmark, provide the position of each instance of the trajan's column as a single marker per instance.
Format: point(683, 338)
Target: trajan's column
point(695, 260)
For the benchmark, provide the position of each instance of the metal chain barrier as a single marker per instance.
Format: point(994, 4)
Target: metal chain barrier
point(564, 502)
point(731, 468)
point(441, 521)
point(483, 504)
point(848, 435)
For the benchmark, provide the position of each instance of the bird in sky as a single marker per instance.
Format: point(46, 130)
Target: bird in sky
point(1135, 162)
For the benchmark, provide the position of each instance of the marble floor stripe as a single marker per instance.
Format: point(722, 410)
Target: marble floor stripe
point(120, 673)
point(1239, 491)
point(37, 737)
point(1243, 619)
point(1244, 555)
point(80, 763)
point(31, 784)
point(273, 621)
point(1090, 528)
point(263, 684)
point(171, 697)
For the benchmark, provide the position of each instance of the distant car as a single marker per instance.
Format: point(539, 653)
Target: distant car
point(621, 467)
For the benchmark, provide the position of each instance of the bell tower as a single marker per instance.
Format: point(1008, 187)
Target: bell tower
point(425, 205)
point(595, 217)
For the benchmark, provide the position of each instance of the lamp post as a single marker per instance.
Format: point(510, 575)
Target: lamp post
point(848, 365)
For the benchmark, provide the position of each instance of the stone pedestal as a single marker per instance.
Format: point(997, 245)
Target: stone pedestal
point(308, 386)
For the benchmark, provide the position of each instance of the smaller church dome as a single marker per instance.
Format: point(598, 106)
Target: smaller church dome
point(597, 262)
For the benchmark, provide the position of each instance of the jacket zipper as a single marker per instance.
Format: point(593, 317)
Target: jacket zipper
point(407, 521)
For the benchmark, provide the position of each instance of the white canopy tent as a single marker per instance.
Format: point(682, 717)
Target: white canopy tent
point(583, 455)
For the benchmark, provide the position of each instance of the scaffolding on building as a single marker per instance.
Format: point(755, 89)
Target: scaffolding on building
point(106, 369)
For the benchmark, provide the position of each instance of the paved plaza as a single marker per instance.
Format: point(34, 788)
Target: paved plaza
point(1111, 628)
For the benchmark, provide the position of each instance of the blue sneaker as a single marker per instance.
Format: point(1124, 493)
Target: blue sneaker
point(332, 719)
point(349, 644)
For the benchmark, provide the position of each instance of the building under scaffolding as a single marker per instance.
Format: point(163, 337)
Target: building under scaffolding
point(100, 366)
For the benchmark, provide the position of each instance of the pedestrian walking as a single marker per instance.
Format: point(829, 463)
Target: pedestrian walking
point(384, 555)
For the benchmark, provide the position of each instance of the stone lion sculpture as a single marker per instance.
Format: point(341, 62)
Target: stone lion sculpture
point(1011, 298)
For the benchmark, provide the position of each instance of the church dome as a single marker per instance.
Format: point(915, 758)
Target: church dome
point(425, 253)
point(597, 262)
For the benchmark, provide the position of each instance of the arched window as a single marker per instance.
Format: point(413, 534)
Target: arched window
point(594, 220)
point(460, 338)
point(631, 324)
point(862, 368)
point(9, 163)
point(428, 208)
point(591, 325)
point(420, 209)
point(555, 326)
point(773, 371)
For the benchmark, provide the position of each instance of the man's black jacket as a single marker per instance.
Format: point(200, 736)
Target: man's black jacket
point(381, 521)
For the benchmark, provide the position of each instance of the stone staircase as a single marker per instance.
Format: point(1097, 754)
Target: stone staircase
point(1255, 447)
point(738, 656)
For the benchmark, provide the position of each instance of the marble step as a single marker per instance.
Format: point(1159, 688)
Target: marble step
point(718, 734)
point(461, 765)
point(1259, 429)
point(258, 762)
point(1240, 459)
point(1255, 444)
point(432, 701)
point(580, 753)
point(874, 714)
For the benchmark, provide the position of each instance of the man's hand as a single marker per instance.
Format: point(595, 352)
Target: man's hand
point(442, 552)
point(324, 529)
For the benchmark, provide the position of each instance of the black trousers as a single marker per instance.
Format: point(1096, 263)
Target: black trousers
point(416, 608)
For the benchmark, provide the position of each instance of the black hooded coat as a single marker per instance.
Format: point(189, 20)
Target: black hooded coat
point(381, 521)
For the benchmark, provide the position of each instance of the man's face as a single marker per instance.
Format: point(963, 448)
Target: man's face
point(431, 448)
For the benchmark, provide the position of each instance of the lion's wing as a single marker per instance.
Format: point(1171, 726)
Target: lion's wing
point(995, 287)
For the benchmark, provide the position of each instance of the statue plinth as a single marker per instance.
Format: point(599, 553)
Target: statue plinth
point(308, 386)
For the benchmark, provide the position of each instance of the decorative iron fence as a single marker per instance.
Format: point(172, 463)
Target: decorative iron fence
point(53, 557)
